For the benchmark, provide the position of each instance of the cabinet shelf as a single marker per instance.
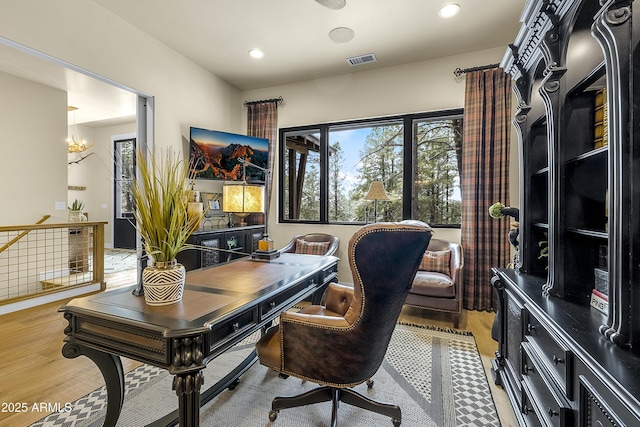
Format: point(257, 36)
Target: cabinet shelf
point(581, 57)
point(602, 235)
point(602, 151)
point(542, 171)
point(593, 81)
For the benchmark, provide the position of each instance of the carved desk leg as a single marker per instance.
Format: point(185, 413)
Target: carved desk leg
point(188, 365)
point(111, 368)
point(187, 387)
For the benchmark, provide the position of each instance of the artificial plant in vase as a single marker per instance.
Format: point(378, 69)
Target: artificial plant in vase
point(76, 213)
point(161, 193)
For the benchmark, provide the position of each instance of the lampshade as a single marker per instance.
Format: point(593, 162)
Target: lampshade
point(376, 192)
point(242, 198)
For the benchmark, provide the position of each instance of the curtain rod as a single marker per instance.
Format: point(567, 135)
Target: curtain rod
point(277, 100)
point(459, 71)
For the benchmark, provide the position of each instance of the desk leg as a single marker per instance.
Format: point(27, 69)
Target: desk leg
point(111, 368)
point(187, 387)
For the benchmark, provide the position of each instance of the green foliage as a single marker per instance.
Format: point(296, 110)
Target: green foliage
point(435, 175)
point(495, 210)
point(161, 194)
point(77, 205)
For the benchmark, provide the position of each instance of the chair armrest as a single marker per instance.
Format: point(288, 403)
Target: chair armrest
point(291, 246)
point(312, 320)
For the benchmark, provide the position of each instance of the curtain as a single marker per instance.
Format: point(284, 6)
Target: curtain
point(484, 181)
point(262, 122)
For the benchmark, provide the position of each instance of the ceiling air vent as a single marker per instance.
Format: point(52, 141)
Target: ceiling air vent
point(362, 59)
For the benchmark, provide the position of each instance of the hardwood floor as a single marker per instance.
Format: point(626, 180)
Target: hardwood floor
point(33, 370)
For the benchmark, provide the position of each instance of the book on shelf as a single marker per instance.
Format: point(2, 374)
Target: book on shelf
point(601, 133)
point(600, 301)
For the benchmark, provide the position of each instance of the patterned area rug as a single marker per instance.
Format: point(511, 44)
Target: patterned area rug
point(435, 376)
point(119, 260)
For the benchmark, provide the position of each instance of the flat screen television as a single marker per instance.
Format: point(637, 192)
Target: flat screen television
point(214, 155)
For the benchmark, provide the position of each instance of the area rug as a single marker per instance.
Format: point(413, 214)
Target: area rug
point(435, 376)
point(116, 260)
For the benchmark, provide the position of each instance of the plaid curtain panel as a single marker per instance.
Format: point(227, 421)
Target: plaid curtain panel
point(484, 181)
point(262, 122)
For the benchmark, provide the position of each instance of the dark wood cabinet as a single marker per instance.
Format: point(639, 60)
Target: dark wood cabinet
point(562, 362)
point(220, 245)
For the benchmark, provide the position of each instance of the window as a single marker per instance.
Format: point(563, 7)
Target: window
point(326, 170)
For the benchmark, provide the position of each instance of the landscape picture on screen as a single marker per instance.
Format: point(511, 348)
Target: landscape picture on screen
point(215, 154)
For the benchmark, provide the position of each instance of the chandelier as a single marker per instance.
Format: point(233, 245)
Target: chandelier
point(75, 144)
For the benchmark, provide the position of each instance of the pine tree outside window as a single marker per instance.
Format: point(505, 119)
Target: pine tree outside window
point(326, 170)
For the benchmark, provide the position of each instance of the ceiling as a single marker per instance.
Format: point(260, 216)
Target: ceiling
point(217, 34)
point(293, 34)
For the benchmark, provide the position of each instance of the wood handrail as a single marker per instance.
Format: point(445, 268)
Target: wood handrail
point(24, 233)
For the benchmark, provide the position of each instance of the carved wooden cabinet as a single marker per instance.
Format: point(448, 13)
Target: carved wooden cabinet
point(562, 362)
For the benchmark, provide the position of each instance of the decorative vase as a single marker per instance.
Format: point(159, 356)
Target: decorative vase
point(163, 282)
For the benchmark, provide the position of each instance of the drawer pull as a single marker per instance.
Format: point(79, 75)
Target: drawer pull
point(557, 360)
point(530, 328)
point(272, 305)
point(552, 412)
point(235, 326)
point(527, 368)
point(526, 410)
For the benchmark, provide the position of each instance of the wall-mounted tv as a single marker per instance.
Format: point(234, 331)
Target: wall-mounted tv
point(214, 155)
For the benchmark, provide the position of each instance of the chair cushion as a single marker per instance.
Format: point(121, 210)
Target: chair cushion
point(311, 248)
point(432, 284)
point(437, 262)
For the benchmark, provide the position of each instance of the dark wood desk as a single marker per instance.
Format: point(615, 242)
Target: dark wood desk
point(220, 306)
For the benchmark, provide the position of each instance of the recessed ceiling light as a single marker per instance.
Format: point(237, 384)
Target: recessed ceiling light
point(449, 10)
point(333, 4)
point(341, 34)
point(256, 53)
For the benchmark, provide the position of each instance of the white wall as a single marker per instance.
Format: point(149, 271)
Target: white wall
point(84, 34)
point(417, 87)
point(96, 174)
point(33, 167)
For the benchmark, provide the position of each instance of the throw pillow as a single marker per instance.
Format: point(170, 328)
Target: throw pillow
point(311, 248)
point(437, 261)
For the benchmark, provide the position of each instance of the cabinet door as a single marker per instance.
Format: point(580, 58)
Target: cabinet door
point(209, 254)
point(236, 243)
point(514, 335)
point(253, 238)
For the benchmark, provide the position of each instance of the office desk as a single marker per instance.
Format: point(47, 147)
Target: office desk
point(221, 305)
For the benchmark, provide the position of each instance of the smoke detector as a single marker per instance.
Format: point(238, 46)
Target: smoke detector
point(362, 59)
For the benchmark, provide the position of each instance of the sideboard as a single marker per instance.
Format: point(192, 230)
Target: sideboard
point(220, 245)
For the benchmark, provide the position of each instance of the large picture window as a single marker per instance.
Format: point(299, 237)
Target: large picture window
point(326, 170)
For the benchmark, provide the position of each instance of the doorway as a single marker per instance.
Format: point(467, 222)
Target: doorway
point(124, 165)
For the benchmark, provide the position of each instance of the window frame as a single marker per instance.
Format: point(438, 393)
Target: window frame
point(323, 129)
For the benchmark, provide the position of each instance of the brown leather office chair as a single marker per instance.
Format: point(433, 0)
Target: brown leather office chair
point(313, 243)
point(438, 282)
point(342, 343)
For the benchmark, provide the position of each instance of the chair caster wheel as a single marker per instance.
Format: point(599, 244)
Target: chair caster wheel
point(369, 383)
point(234, 384)
point(396, 422)
point(273, 415)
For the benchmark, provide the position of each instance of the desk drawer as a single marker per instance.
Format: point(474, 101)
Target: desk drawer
point(225, 330)
point(551, 406)
point(289, 297)
point(557, 358)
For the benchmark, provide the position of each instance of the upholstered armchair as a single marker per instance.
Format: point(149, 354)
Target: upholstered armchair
point(438, 282)
point(314, 244)
point(342, 343)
